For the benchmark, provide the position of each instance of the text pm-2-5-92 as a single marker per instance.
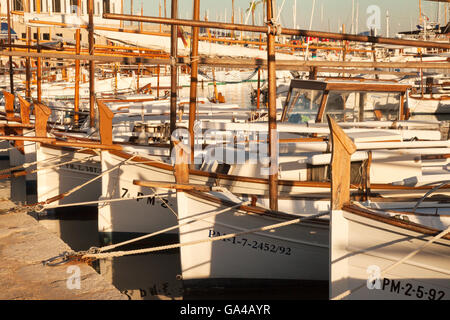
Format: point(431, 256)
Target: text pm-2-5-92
point(409, 290)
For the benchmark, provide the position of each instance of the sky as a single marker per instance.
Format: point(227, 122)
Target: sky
point(329, 15)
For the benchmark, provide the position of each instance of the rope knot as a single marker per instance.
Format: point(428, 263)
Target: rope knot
point(274, 27)
point(173, 61)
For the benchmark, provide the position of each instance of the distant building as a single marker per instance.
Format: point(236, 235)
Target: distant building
point(60, 11)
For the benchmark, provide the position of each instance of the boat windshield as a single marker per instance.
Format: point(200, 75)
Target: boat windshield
point(303, 105)
point(345, 106)
point(350, 106)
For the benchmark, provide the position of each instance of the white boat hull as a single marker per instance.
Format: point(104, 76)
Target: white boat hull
point(295, 252)
point(60, 179)
point(134, 216)
point(362, 248)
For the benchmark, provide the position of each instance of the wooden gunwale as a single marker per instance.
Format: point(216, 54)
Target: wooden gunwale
point(220, 176)
point(407, 225)
point(254, 210)
point(441, 98)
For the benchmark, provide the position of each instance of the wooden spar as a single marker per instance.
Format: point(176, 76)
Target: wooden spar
point(115, 68)
point(39, 61)
point(160, 26)
point(194, 79)
point(131, 9)
point(121, 11)
point(273, 137)
point(55, 142)
point(11, 73)
point(177, 186)
point(24, 110)
point(294, 64)
point(91, 66)
point(173, 71)
point(28, 60)
point(224, 40)
point(77, 70)
point(138, 75)
point(216, 94)
point(343, 148)
point(240, 62)
point(141, 25)
point(42, 114)
point(9, 105)
point(232, 17)
point(99, 57)
point(283, 31)
point(158, 71)
point(105, 125)
point(258, 91)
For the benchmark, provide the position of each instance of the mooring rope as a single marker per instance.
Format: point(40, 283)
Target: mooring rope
point(68, 193)
point(179, 245)
point(437, 237)
point(29, 164)
point(113, 246)
point(98, 201)
point(82, 160)
point(14, 147)
point(37, 207)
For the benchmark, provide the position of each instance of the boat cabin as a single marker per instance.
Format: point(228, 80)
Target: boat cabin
point(310, 101)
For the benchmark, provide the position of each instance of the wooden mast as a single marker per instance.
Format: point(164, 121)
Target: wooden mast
point(39, 60)
point(28, 60)
point(91, 66)
point(194, 79)
point(273, 137)
point(173, 71)
point(77, 69)
point(11, 72)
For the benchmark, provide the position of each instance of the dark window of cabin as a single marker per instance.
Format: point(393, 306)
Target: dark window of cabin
point(56, 5)
point(106, 6)
point(18, 5)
